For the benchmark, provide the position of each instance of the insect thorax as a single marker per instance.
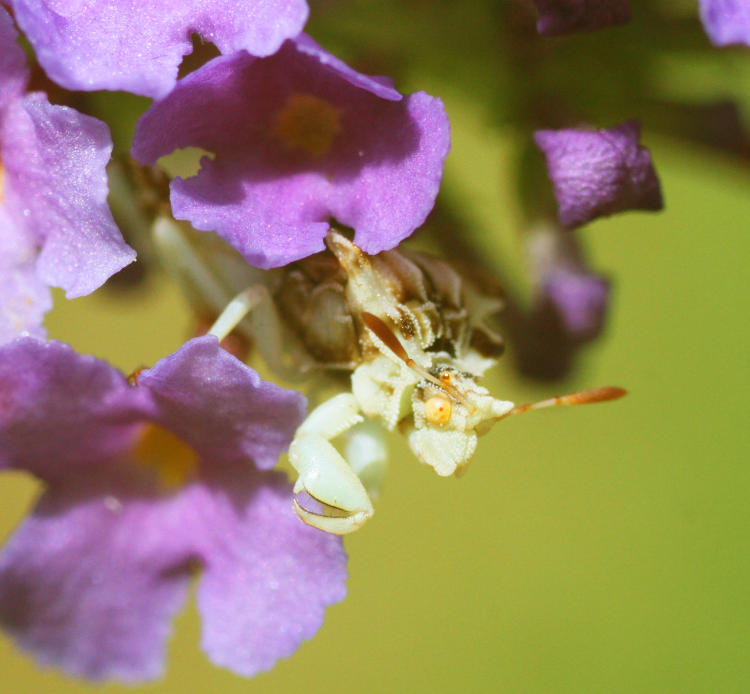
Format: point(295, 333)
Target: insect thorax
point(427, 304)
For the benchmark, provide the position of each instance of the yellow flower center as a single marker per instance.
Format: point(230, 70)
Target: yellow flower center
point(308, 123)
point(172, 460)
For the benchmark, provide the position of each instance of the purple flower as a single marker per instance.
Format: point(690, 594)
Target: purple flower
point(726, 21)
point(579, 300)
point(55, 226)
point(599, 172)
point(558, 17)
point(145, 486)
point(298, 137)
point(24, 298)
point(138, 46)
point(570, 299)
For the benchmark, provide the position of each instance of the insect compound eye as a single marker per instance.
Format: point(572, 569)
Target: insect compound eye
point(438, 410)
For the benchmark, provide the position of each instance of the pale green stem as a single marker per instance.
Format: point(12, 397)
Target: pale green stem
point(179, 255)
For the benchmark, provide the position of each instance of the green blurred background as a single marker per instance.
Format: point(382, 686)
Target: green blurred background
point(597, 549)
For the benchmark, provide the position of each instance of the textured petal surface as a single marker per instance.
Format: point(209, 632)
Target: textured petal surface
point(378, 171)
point(726, 21)
point(268, 576)
point(569, 16)
point(91, 579)
point(220, 406)
point(379, 86)
point(61, 411)
point(599, 172)
point(580, 301)
point(24, 300)
point(387, 200)
point(138, 46)
point(13, 71)
point(55, 187)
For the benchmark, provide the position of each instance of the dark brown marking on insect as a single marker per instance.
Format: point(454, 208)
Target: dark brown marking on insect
point(443, 344)
point(488, 345)
point(385, 335)
point(406, 325)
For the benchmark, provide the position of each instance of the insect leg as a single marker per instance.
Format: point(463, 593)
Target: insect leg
point(367, 454)
point(324, 473)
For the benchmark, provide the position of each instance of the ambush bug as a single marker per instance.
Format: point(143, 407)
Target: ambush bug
point(410, 330)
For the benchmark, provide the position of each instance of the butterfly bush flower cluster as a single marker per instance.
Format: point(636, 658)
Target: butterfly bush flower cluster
point(153, 479)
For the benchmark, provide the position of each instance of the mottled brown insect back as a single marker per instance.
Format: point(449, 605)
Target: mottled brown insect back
point(315, 308)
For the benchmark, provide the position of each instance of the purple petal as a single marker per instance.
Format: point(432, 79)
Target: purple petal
point(24, 300)
point(55, 187)
point(268, 576)
point(379, 86)
point(90, 582)
point(138, 47)
point(13, 71)
point(580, 301)
point(558, 17)
point(388, 200)
point(379, 171)
point(222, 407)
point(16, 245)
point(726, 21)
point(61, 412)
point(599, 172)
point(91, 579)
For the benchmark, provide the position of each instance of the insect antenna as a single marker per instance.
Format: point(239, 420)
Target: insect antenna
point(385, 334)
point(583, 397)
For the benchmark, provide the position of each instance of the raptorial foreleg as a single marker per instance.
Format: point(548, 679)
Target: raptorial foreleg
point(324, 473)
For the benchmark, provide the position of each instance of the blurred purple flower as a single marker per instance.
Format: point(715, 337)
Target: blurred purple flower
point(55, 226)
point(568, 295)
point(138, 46)
point(298, 137)
point(726, 21)
point(558, 17)
point(144, 485)
point(599, 172)
point(579, 300)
